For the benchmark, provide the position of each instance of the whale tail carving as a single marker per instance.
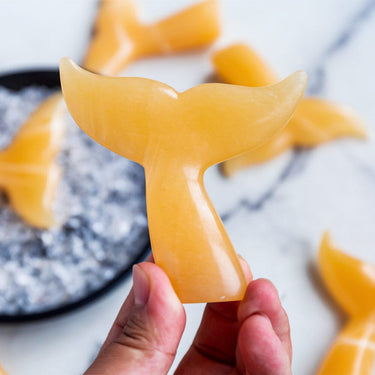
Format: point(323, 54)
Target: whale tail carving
point(350, 280)
point(352, 284)
point(131, 116)
point(28, 172)
point(234, 119)
point(120, 36)
point(176, 136)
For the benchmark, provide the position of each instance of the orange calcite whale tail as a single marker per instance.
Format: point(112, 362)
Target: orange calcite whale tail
point(28, 172)
point(315, 121)
point(352, 284)
point(121, 37)
point(133, 117)
point(350, 281)
point(176, 137)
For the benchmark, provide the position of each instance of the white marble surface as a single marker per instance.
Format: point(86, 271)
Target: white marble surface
point(274, 213)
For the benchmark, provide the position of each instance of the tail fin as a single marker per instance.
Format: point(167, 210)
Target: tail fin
point(124, 114)
point(350, 280)
point(231, 120)
point(317, 121)
point(28, 172)
point(120, 36)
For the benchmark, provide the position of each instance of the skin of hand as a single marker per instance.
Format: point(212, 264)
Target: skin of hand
point(250, 337)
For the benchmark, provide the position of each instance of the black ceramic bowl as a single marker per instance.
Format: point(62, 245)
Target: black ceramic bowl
point(49, 78)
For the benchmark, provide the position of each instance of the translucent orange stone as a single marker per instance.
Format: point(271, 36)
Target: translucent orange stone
point(176, 137)
point(315, 121)
point(28, 172)
point(120, 37)
point(352, 284)
point(2, 371)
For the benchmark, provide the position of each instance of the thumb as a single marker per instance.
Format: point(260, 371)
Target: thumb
point(148, 340)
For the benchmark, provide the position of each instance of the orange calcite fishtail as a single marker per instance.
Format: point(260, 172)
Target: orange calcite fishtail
point(352, 284)
point(315, 121)
point(28, 172)
point(2, 371)
point(120, 37)
point(176, 137)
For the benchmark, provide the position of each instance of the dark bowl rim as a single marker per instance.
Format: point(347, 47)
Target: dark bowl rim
point(49, 77)
point(20, 78)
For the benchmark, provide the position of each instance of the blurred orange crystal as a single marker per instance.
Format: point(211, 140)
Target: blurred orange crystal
point(352, 284)
point(28, 172)
point(120, 37)
point(315, 121)
point(176, 137)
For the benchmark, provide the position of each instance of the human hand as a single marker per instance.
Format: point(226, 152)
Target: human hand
point(251, 337)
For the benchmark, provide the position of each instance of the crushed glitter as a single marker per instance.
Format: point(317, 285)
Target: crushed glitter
point(101, 206)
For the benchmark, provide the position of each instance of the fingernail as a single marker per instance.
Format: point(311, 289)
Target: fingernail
point(141, 286)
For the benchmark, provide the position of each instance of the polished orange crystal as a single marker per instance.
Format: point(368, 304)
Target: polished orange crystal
point(28, 172)
point(316, 120)
point(120, 37)
point(352, 284)
point(176, 137)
